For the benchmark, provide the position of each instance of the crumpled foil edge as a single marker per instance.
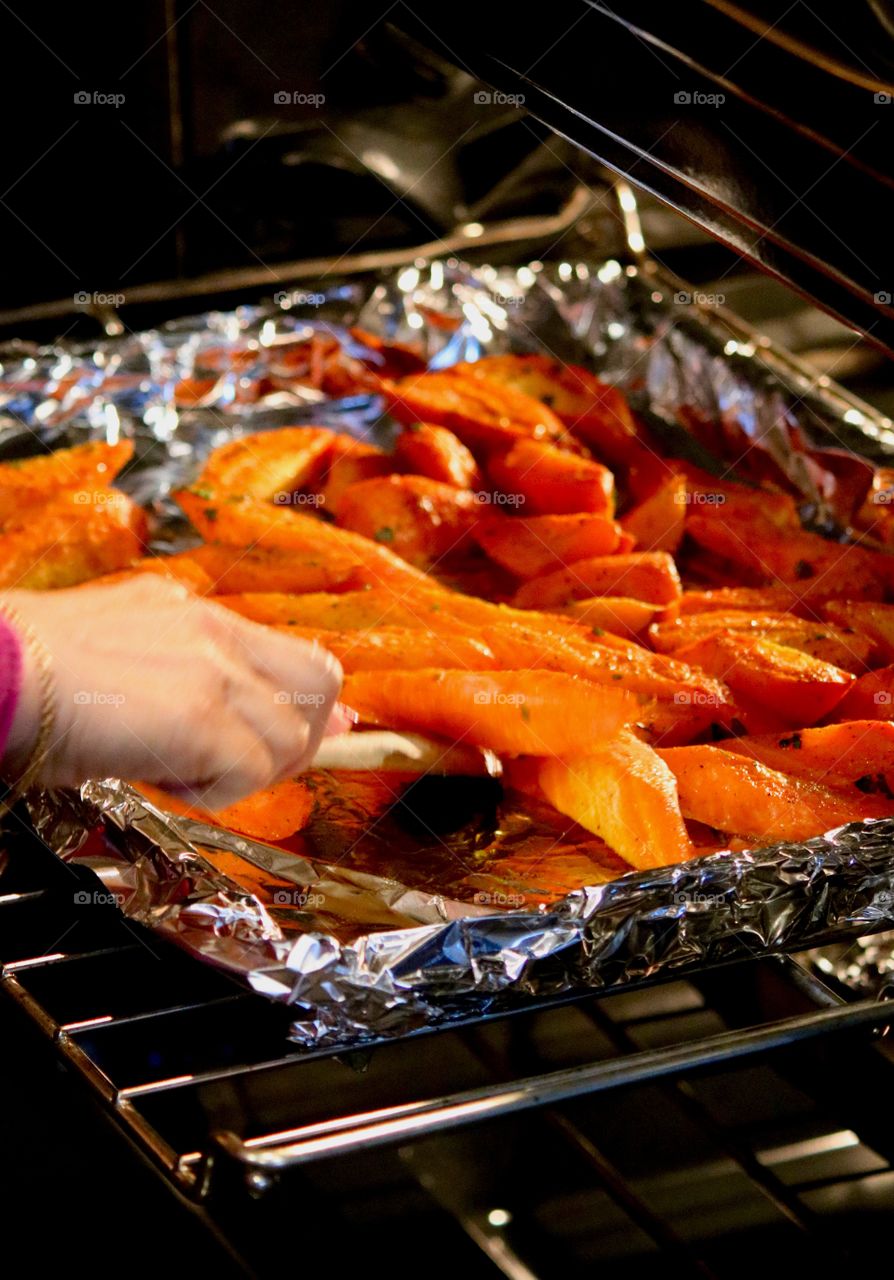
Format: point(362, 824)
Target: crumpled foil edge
point(713, 909)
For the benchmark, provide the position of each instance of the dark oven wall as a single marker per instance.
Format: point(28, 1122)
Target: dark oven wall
point(179, 139)
point(147, 142)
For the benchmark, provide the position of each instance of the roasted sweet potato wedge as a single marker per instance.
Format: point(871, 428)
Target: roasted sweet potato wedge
point(248, 524)
point(857, 757)
point(871, 697)
point(621, 615)
point(647, 575)
point(233, 570)
point(683, 701)
point(548, 481)
point(269, 465)
point(595, 411)
point(423, 521)
point(846, 649)
point(80, 534)
point(793, 686)
point(781, 599)
point(658, 522)
point(424, 449)
point(516, 712)
point(678, 701)
point(29, 483)
point(708, 494)
point(431, 609)
point(736, 794)
point(625, 793)
point(820, 567)
point(180, 568)
point(528, 547)
point(482, 414)
point(275, 813)
point(350, 461)
point(400, 648)
point(873, 620)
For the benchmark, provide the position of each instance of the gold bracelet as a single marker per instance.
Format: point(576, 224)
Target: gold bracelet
point(44, 665)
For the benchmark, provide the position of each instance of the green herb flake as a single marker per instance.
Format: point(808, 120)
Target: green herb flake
point(385, 534)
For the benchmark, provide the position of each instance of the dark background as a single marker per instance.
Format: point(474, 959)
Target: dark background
point(187, 175)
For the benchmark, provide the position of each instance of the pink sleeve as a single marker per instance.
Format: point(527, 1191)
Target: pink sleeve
point(10, 678)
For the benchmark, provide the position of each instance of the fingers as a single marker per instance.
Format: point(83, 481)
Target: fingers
point(182, 693)
point(301, 675)
point(242, 765)
point(280, 721)
point(341, 720)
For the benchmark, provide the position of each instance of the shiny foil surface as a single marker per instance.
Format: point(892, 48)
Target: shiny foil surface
point(405, 905)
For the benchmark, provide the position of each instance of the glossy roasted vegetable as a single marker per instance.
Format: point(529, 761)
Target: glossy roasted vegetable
point(843, 648)
point(77, 535)
point(427, 450)
point(546, 480)
point(643, 575)
point(528, 547)
point(349, 462)
point(516, 712)
point(736, 794)
point(483, 415)
point(625, 793)
point(592, 410)
point(785, 683)
point(755, 704)
point(425, 522)
point(269, 465)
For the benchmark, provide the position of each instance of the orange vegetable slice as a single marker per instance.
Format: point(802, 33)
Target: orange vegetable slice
point(275, 813)
point(658, 522)
point(549, 481)
point(481, 414)
point(736, 794)
point(516, 712)
point(269, 464)
point(793, 686)
point(423, 521)
point(541, 544)
point(425, 449)
point(624, 792)
point(644, 575)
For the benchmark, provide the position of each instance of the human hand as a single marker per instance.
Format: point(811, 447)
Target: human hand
point(155, 683)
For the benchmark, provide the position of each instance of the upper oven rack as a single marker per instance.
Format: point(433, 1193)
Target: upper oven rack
point(774, 149)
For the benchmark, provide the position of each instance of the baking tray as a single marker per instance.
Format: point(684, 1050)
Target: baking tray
point(370, 939)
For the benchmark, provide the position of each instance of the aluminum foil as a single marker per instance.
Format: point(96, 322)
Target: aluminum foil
point(366, 930)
